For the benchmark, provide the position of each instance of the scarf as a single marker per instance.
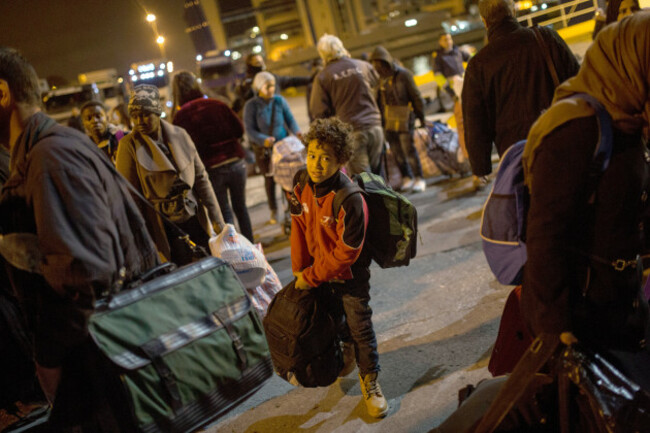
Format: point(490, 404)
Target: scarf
point(615, 71)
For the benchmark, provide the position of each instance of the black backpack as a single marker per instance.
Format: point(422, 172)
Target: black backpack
point(303, 337)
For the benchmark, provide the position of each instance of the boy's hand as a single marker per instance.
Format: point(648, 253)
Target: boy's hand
point(300, 282)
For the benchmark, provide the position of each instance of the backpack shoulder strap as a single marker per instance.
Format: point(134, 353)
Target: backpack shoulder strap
point(342, 194)
point(603, 151)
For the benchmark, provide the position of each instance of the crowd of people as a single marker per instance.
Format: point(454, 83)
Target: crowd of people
point(100, 203)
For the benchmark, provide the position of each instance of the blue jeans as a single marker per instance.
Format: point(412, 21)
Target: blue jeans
point(232, 177)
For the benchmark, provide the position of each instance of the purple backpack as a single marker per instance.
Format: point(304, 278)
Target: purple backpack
point(503, 225)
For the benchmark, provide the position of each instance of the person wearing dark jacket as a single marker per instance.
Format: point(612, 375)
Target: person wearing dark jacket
point(92, 238)
point(346, 88)
point(398, 89)
point(507, 83)
point(585, 230)
point(254, 64)
point(217, 133)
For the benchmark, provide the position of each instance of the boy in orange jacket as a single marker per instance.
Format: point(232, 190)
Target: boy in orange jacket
point(327, 249)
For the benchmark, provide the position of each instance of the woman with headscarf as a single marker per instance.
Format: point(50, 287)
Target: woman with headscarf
point(616, 11)
point(216, 132)
point(585, 227)
point(161, 162)
point(267, 120)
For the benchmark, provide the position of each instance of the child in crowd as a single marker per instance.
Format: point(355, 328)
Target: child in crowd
point(327, 250)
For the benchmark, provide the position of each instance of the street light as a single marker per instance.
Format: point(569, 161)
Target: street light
point(160, 40)
point(151, 18)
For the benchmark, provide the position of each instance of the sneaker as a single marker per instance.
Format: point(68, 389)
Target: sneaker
point(376, 403)
point(407, 184)
point(349, 358)
point(419, 185)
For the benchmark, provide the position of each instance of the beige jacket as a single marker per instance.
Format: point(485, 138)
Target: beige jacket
point(147, 168)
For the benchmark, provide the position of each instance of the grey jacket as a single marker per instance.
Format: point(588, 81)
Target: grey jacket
point(345, 88)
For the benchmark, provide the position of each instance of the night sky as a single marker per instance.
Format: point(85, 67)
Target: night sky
point(68, 37)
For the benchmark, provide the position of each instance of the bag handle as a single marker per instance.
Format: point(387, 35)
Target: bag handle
point(547, 55)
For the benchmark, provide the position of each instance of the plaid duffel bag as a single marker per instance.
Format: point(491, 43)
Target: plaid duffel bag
point(186, 345)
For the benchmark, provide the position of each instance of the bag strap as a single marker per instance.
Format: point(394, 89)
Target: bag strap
point(272, 122)
point(342, 194)
point(547, 55)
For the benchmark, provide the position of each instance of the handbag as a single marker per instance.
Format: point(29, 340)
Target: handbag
point(396, 117)
point(186, 345)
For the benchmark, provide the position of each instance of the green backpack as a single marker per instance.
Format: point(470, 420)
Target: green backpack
point(392, 220)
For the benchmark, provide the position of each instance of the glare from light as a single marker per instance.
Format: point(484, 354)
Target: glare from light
point(257, 49)
point(533, 8)
point(199, 80)
point(131, 72)
point(256, 29)
point(227, 53)
point(199, 57)
point(454, 28)
point(170, 67)
point(411, 23)
point(134, 78)
point(160, 40)
point(151, 18)
point(284, 36)
point(120, 80)
point(236, 55)
point(544, 5)
point(462, 25)
point(169, 104)
point(163, 114)
point(161, 73)
point(146, 68)
point(162, 66)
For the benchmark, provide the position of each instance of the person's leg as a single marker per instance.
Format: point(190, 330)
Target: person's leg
point(237, 187)
point(394, 140)
point(219, 179)
point(375, 147)
point(263, 161)
point(358, 315)
point(359, 160)
point(413, 160)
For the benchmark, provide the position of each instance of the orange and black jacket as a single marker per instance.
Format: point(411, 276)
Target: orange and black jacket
point(324, 246)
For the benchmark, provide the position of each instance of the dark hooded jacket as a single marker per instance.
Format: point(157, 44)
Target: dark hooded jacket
point(399, 88)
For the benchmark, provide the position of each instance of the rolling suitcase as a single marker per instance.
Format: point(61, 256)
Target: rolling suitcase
point(186, 346)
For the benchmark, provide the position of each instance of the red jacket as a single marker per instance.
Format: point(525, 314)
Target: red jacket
point(323, 247)
point(215, 130)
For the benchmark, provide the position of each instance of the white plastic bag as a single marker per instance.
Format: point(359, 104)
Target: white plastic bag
point(263, 294)
point(247, 261)
point(287, 159)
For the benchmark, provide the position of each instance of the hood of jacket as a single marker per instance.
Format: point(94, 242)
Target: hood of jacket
point(381, 53)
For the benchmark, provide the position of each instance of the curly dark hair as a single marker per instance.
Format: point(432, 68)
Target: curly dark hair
point(333, 132)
